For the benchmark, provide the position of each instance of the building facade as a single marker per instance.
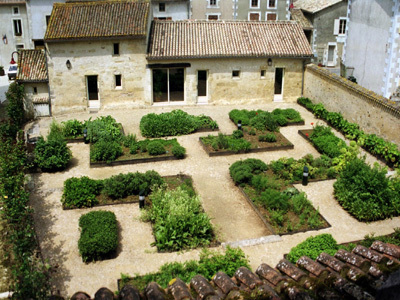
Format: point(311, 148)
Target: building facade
point(372, 52)
point(170, 9)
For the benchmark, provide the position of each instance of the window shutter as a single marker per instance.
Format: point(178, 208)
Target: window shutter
point(336, 27)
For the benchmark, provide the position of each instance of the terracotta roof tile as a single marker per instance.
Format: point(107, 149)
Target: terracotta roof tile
point(32, 66)
point(204, 39)
point(313, 6)
point(101, 19)
point(298, 16)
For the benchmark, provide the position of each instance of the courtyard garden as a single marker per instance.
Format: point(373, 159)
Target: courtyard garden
point(220, 200)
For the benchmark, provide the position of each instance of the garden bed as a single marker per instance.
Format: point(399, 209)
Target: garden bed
point(278, 204)
point(102, 199)
point(282, 143)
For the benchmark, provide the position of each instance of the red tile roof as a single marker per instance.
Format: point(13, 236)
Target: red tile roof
point(217, 39)
point(32, 66)
point(101, 19)
point(298, 16)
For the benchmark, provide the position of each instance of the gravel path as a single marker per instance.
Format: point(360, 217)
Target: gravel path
point(231, 215)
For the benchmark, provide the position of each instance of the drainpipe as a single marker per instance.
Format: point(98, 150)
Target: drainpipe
point(48, 81)
point(302, 78)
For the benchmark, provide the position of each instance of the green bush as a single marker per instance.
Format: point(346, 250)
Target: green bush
point(155, 148)
point(176, 122)
point(237, 115)
point(53, 154)
point(237, 134)
point(15, 107)
point(178, 151)
point(123, 185)
point(269, 137)
point(326, 142)
point(238, 145)
point(281, 120)
point(366, 192)
point(179, 222)
point(313, 247)
point(103, 128)
point(105, 149)
point(209, 264)
point(292, 115)
point(264, 120)
point(99, 235)
point(275, 200)
point(81, 192)
point(319, 111)
point(72, 128)
point(243, 171)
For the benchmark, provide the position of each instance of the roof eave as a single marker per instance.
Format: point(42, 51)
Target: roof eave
point(227, 56)
point(32, 81)
point(85, 39)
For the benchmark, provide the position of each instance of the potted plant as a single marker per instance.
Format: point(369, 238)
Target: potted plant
point(2, 71)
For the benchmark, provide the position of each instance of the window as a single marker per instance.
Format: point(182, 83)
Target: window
point(271, 3)
point(271, 16)
point(47, 20)
point(39, 44)
point(212, 2)
point(15, 11)
point(17, 24)
point(118, 82)
point(339, 27)
point(35, 90)
point(168, 84)
point(19, 46)
point(161, 6)
point(254, 16)
point(115, 49)
point(235, 74)
point(212, 17)
point(254, 4)
point(262, 73)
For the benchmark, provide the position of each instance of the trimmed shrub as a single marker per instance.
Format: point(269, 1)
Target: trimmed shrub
point(103, 128)
point(314, 246)
point(270, 138)
point(81, 192)
point(105, 149)
point(237, 134)
point(99, 235)
point(326, 142)
point(178, 151)
point(243, 171)
point(53, 154)
point(281, 120)
point(155, 148)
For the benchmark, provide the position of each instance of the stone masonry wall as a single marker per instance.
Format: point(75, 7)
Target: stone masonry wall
point(374, 113)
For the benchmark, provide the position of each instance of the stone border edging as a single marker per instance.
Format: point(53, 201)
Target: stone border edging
point(133, 161)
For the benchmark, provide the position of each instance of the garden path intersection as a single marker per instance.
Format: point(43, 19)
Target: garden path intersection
point(235, 221)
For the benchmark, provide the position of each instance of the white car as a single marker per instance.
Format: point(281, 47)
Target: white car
point(12, 72)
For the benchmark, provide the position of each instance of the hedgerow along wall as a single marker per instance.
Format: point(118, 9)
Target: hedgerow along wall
point(374, 113)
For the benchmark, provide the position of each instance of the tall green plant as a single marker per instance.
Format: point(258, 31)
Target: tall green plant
point(15, 108)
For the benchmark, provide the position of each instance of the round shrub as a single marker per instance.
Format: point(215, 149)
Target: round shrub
point(53, 154)
point(105, 150)
point(243, 171)
point(314, 246)
point(155, 148)
point(237, 134)
point(99, 235)
point(81, 192)
point(178, 151)
point(281, 120)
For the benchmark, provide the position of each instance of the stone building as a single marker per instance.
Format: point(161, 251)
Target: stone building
point(372, 51)
point(32, 73)
point(236, 62)
point(252, 10)
point(97, 55)
point(327, 32)
point(14, 29)
point(170, 9)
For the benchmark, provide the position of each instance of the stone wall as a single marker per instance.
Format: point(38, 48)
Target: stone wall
point(374, 113)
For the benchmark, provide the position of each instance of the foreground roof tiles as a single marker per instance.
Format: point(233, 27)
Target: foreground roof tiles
point(204, 39)
point(32, 66)
point(298, 16)
point(100, 19)
point(313, 6)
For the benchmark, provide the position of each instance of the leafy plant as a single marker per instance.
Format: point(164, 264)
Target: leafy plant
point(103, 128)
point(81, 192)
point(320, 111)
point(326, 141)
point(269, 137)
point(15, 107)
point(243, 171)
point(314, 246)
point(72, 128)
point(53, 154)
point(105, 149)
point(99, 235)
point(179, 222)
point(237, 134)
point(178, 151)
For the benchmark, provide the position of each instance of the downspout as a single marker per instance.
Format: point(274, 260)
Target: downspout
point(302, 78)
point(48, 79)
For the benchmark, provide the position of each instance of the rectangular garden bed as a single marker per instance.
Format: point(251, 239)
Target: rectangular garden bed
point(282, 143)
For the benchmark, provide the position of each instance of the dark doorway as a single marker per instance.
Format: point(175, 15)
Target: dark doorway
point(92, 88)
point(278, 81)
point(168, 85)
point(202, 83)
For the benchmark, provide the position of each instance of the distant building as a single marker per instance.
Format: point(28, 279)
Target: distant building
point(251, 10)
point(170, 9)
point(372, 53)
point(326, 28)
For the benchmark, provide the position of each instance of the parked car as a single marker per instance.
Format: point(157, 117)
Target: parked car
point(12, 72)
